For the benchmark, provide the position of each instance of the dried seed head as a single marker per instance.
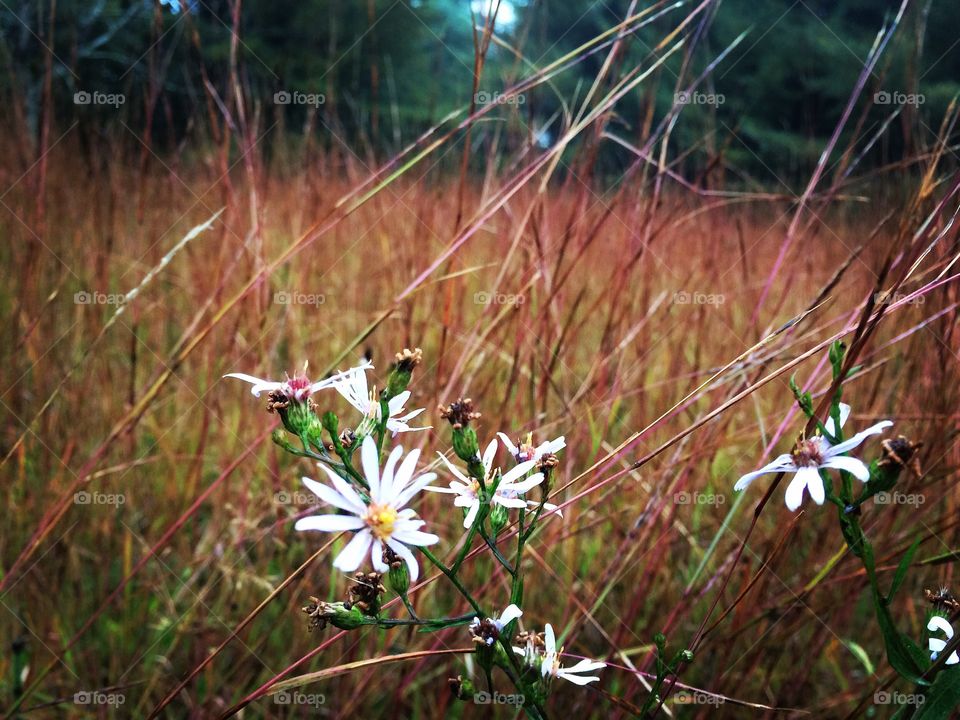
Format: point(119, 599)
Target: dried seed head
point(942, 599)
point(459, 413)
point(348, 438)
point(485, 632)
point(316, 619)
point(548, 461)
point(365, 592)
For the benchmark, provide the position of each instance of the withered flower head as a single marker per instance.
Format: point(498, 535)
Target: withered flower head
point(365, 592)
point(407, 360)
point(316, 618)
point(459, 413)
point(902, 453)
point(942, 599)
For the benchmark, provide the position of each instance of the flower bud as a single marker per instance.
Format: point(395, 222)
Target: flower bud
point(399, 377)
point(462, 688)
point(297, 416)
point(687, 656)
point(341, 615)
point(398, 578)
point(465, 444)
point(498, 519)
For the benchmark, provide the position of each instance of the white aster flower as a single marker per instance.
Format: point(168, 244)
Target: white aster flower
point(298, 387)
point(354, 388)
point(384, 521)
point(487, 631)
point(550, 661)
point(508, 491)
point(936, 645)
point(815, 454)
point(525, 451)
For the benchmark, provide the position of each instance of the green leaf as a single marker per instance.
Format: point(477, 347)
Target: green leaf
point(942, 558)
point(861, 655)
point(943, 697)
point(443, 624)
point(902, 568)
point(904, 655)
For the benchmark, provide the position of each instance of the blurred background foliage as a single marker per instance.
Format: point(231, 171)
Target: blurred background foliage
point(389, 69)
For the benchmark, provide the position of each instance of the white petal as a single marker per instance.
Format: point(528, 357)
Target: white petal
point(404, 552)
point(783, 463)
point(509, 502)
point(586, 666)
point(345, 490)
point(330, 496)
point(553, 446)
point(509, 614)
point(576, 679)
point(412, 489)
point(395, 404)
point(548, 507)
point(437, 488)
point(518, 472)
point(471, 514)
point(549, 639)
point(258, 385)
point(522, 486)
point(453, 468)
point(511, 448)
point(844, 414)
point(329, 523)
point(942, 624)
point(851, 464)
point(815, 487)
point(376, 557)
point(340, 377)
point(415, 537)
point(387, 480)
point(404, 474)
point(794, 496)
point(856, 440)
point(351, 557)
point(371, 466)
point(488, 455)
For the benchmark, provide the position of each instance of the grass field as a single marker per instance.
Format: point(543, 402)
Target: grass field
point(149, 557)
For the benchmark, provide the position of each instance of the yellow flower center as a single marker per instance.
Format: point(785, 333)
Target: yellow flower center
point(380, 519)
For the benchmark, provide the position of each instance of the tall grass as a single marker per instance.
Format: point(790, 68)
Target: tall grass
point(654, 323)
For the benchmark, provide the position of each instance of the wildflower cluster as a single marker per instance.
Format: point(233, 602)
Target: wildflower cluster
point(813, 461)
point(370, 489)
